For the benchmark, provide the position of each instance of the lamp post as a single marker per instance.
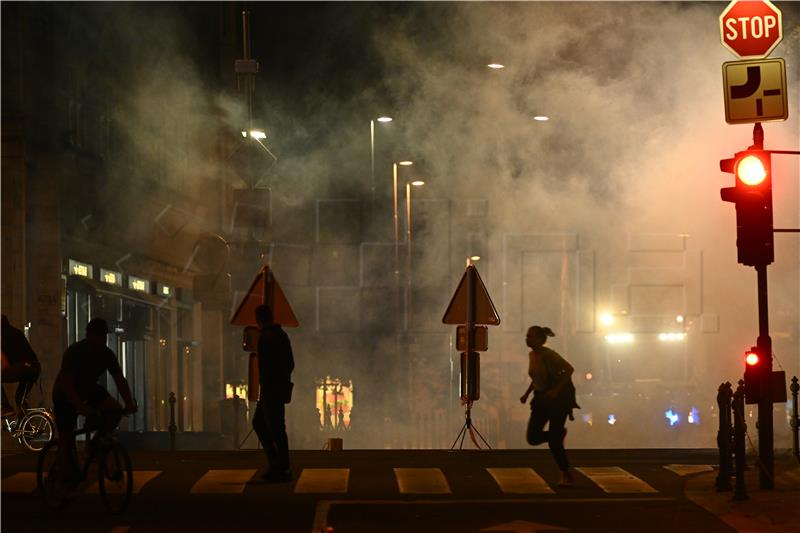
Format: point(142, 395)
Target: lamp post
point(396, 216)
point(415, 183)
point(383, 119)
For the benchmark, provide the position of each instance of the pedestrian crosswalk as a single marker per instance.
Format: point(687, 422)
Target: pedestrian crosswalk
point(408, 481)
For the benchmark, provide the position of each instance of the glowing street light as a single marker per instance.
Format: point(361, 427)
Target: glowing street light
point(418, 183)
point(541, 118)
point(496, 66)
point(383, 119)
point(606, 319)
point(405, 163)
point(255, 134)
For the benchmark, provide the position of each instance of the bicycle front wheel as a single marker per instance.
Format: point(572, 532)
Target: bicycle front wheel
point(37, 430)
point(115, 477)
point(48, 479)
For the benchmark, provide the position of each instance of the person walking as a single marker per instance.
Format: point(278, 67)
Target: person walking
point(553, 398)
point(275, 366)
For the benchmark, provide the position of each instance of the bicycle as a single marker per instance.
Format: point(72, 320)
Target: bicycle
point(34, 428)
point(114, 472)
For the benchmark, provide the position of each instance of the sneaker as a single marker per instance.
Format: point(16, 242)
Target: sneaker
point(566, 479)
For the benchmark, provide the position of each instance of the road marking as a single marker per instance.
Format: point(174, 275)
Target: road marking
point(520, 481)
point(322, 480)
point(421, 481)
point(323, 508)
point(223, 482)
point(140, 479)
point(685, 470)
point(613, 479)
point(20, 482)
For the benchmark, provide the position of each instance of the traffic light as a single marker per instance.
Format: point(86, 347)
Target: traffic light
point(755, 366)
point(752, 195)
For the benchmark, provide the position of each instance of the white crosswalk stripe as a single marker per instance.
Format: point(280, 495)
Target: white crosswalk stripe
point(421, 481)
point(323, 480)
point(613, 479)
point(519, 481)
point(686, 470)
point(223, 482)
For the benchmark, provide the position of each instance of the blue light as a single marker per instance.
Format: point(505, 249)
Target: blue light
point(673, 418)
point(694, 416)
point(588, 418)
point(612, 419)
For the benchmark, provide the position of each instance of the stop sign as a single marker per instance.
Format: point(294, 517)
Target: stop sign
point(751, 29)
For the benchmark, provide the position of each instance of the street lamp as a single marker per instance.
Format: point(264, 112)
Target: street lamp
point(383, 119)
point(415, 183)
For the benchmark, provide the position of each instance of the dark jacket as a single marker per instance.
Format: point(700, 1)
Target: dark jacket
point(275, 363)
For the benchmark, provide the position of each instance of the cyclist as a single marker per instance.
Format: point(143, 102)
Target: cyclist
point(20, 365)
point(76, 391)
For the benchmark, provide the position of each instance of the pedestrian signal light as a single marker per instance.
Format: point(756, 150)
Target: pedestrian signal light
point(751, 358)
point(752, 195)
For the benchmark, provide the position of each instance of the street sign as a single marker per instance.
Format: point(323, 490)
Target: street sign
point(481, 338)
point(265, 289)
point(755, 91)
point(751, 29)
point(485, 313)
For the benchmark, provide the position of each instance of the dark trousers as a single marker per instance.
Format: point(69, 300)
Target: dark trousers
point(26, 373)
point(269, 423)
point(543, 413)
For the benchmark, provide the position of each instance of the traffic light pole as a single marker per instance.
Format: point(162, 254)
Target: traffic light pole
point(766, 453)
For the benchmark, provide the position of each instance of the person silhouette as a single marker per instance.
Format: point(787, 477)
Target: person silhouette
point(553, 398)
point(275, 365)
point(340, 426)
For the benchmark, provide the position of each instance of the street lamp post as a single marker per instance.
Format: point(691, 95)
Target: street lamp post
point(383, 119)
point(415, 183)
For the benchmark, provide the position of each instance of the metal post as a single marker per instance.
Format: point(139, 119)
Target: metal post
point(795, 423)
point(235, 421)
point(372, 163)
point(724, 394)
point(408, 312)
point(766, 452)
point(172, 427)
point(739, 430)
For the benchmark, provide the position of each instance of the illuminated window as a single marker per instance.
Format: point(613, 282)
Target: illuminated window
point(76, 268)
point(138, 284)
point(111, 277)
point(239, 390)
point(334, 401)
point(163, 290)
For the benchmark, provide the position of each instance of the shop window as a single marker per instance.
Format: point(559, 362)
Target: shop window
point(334, 402)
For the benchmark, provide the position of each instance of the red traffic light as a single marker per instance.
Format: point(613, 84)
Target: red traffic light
point(751, 170)
point(751, 358)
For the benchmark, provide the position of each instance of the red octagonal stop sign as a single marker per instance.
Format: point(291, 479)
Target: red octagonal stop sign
point(751, 29)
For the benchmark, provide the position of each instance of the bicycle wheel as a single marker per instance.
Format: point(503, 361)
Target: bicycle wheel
point(37, 430)
point(48, 481)
point(115, 477)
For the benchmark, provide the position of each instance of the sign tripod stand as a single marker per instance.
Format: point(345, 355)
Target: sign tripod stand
point(470, 305)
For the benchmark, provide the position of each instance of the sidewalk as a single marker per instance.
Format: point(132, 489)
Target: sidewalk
point(766, 511)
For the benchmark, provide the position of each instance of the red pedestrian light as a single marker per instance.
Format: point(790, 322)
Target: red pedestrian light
point(751, 358)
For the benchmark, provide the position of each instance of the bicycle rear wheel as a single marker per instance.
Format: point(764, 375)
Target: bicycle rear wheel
point(48, 479)
point(37, 430)
point(115, 477)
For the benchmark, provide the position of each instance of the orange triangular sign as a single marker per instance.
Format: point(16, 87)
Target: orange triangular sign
point(265, 289)
point(485, 313)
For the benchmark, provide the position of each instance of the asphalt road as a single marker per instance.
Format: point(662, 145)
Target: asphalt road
point(386, 491)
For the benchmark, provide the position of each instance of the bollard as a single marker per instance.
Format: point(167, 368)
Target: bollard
point(739, 430)
point(235, 421)
point(172, 427)
point(724, 437)
point(795, 423)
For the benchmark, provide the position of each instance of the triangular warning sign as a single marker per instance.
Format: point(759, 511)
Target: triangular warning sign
point(265, 289)
point(485, 313)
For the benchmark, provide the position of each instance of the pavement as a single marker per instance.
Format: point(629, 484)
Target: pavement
point(768, 511)
point(417, 490)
